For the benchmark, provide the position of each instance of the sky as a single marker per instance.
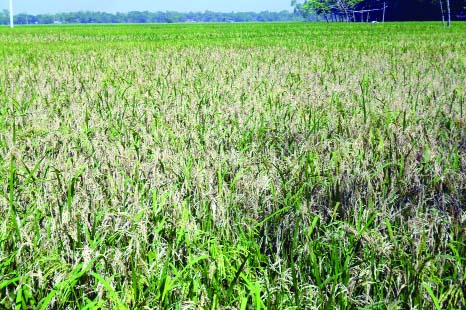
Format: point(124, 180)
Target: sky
point(56, 6)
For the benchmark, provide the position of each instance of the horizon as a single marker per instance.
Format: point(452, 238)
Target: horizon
point(121, 6)
point(150, 11)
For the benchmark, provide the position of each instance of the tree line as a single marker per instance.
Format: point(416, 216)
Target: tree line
point(87, 17)
point(378, 10)
point(326, 10)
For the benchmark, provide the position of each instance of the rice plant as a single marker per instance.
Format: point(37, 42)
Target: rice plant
point(233, 166)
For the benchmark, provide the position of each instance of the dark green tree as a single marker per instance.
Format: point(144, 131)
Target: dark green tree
point(398, 10)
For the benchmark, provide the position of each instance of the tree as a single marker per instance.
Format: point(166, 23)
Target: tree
point(449, 13)
point(346, 6)
point(300, 10)
point(443, 13)
point(334, 8)
point(319, 7)
point(397, 10)
point(84, 17)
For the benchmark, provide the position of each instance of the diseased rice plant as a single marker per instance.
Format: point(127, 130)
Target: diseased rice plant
point(243, 166)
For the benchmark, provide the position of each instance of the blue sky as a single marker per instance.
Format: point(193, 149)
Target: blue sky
point(54, 6)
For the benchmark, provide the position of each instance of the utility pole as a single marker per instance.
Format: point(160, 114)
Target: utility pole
point(11, 14)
